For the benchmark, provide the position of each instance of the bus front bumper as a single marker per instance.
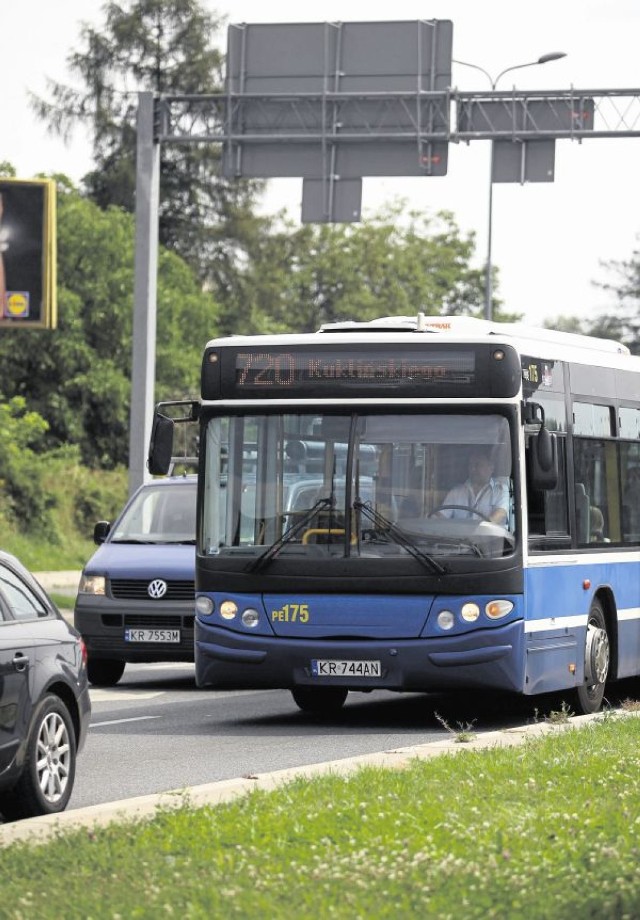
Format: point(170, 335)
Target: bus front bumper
point(487, 659)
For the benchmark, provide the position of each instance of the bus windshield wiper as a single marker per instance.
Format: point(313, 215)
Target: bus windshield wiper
point(458, 542)
point(272, 551)
point(398, 536)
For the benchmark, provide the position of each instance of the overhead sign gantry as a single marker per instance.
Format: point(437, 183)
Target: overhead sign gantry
point(333, 103)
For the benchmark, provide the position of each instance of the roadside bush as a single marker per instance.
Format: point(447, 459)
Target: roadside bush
point(82, 496)
point(49, 502)
point(25, 503)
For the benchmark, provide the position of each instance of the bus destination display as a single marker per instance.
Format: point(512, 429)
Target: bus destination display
point(318, 370)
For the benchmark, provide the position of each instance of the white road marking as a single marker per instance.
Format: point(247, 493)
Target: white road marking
point(165, 665)
point(110, 696)
point(120, 721)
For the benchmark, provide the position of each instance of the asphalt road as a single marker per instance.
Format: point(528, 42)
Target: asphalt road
point(155, 731)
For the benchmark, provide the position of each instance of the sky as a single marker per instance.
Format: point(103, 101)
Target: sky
point(550, 240)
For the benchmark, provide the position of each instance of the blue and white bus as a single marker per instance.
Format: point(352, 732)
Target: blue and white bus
point(332, 555)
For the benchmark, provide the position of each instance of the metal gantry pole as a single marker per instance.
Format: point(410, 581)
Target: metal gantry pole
point(488, 278)
point(143, 359)
point(488, 282)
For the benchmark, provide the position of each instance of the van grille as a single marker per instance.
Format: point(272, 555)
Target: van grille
point(133, 589)
point(147, 621)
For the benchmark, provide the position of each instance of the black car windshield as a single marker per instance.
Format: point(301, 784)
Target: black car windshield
point(430, 484)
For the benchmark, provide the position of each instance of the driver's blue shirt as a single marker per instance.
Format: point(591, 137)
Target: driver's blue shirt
point(492, 496)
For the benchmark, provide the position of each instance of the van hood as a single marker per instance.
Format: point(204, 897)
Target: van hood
point(132, 560)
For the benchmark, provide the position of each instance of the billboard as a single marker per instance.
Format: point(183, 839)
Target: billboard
point(27, 253)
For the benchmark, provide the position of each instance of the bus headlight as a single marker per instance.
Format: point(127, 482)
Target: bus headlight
point(228, 610)
point(204, 605)
point(495, 610)
point(92, 584)
point(445, 619)
point(250, 617)
point(470, 612)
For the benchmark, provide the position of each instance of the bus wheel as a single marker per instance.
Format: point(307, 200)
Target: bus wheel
point(319, 699)
point(597, 657)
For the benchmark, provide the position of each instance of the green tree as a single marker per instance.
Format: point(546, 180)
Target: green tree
point(623, 324)
point(49, 502)
point(397, 262)
point(166, 47)
point(78, 376)
point(567, 323)
point(22, 435)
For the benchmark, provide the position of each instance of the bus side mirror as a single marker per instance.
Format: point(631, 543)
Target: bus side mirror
point(543, 460)
point(542, 455)
point(161, 445)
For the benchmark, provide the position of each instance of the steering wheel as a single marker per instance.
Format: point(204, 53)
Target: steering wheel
point(466, 508)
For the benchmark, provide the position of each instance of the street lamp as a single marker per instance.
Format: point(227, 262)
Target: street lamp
point(543, 59)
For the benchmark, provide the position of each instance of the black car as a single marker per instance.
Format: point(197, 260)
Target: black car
point(44, 697)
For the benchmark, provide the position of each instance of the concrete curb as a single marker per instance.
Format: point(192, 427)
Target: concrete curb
point(39, 830)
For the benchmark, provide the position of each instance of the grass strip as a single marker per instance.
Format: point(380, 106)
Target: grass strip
point(547, 830)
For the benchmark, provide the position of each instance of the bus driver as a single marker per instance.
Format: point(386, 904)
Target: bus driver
point(479, 492)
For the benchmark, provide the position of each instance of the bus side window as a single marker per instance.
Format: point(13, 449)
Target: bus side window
point(597, 466)
point(630, 491)
point(583, 527)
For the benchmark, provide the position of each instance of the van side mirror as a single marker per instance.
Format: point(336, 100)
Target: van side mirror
point(161, 445)
point(101, 531)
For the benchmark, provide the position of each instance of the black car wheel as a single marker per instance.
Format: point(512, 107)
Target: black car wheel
point(46, 782)
point(104, 672)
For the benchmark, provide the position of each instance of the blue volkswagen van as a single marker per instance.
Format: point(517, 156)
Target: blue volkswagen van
point(135, 600)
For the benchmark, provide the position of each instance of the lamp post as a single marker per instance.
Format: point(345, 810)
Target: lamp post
point(543, 59)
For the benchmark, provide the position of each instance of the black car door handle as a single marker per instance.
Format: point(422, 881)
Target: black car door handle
point(20, 661)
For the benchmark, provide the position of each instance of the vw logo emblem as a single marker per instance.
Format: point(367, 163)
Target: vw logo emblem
point(157, 588)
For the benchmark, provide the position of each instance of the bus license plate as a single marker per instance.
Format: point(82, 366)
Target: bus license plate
point(152, 635)
point(323, 667)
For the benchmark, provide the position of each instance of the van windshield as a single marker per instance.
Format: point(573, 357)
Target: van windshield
point(158, 514)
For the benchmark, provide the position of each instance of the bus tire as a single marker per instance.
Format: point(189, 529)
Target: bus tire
point(104, 672)
point(323, 700)
point(597, 660)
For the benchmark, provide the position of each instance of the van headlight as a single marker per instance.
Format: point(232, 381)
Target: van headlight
point(93, 584)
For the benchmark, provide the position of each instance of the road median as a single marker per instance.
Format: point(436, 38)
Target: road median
point(43, 828)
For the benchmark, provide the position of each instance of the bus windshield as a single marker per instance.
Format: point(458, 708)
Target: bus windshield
point(358, 484)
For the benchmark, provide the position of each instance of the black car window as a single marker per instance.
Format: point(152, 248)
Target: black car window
point(23, 603)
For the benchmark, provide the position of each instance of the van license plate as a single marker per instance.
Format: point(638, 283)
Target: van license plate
point(324, 667)
point(152, 635)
